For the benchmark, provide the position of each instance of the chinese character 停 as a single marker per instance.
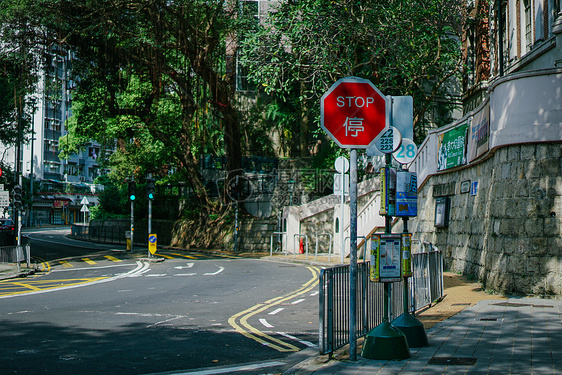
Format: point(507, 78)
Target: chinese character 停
point(353, 125)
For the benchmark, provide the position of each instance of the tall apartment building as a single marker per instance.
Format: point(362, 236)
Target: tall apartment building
point(63, 182)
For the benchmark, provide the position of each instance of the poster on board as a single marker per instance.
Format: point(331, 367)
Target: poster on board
point(478, 139)
point(452, 148)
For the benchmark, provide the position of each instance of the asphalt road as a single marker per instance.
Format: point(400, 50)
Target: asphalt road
point(102, 311)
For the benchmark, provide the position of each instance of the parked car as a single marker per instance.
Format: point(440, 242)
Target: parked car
point(7, 232)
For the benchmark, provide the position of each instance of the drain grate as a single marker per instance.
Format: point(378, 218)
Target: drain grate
point(452, 361)
point(460, 304)
point(489, 319)
point(511, 304)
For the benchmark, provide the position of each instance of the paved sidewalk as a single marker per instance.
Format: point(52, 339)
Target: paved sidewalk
point(517, 336)
point(469, 332)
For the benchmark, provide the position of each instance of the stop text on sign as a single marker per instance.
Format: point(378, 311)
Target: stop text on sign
point(354, 113)
point(357, 101)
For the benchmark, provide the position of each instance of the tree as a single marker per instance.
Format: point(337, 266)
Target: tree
point(17, 77)
point(149, 70)
point(404, 47)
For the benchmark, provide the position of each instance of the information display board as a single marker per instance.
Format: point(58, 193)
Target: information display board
point(388, 191)
point(406, 194)
point(406, 254)
point(386, 258)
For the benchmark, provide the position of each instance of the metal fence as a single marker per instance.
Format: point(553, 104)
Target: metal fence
point(15, 254)
point(334, 298)
point(105, 234)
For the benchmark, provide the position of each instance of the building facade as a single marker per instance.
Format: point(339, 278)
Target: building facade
point(63, 182)
point(490, 194)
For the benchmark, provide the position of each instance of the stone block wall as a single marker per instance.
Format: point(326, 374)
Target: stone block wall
point(508, 234)
point(255, 234)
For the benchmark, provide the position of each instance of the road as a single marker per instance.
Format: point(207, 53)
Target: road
point(102, 310)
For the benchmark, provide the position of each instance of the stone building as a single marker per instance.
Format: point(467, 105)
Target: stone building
point(490, 194)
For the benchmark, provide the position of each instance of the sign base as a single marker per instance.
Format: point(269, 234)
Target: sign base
point(385, 342)
point(413, 329)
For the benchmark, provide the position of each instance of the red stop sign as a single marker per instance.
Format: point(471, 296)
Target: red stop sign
point(354, 112)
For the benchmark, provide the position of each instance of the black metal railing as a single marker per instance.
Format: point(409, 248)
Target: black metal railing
point(334, 298)
point(105, 234)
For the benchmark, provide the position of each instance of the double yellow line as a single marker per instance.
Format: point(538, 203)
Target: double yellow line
point(253, 333)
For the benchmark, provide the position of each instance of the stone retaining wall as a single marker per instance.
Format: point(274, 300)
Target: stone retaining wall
point(255, 234)
point(507, 234)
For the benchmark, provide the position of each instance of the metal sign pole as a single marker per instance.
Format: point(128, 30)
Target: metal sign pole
point(342, 182)
point(149, 218)
point(132, 217)
point(352, 254)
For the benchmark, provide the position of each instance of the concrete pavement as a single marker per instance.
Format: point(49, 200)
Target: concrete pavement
point(470, 332)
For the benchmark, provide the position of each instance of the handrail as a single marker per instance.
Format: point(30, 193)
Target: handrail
point(364, 243)
point(271, 242)
point(329, 249)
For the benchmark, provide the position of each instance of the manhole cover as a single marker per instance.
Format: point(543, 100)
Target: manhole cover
point(452, 361)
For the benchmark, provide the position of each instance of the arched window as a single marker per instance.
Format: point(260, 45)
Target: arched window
point(337, 224)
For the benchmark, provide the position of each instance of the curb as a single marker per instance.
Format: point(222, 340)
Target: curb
point(12, 274)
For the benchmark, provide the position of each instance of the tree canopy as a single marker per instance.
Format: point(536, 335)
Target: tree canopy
point(155, 79)
point(403, 47)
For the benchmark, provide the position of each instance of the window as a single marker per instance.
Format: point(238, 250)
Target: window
point(250, 13)
point(527, 19)
point(242, 82)
point(470, 58)
point(93, 152)
point(504, 34)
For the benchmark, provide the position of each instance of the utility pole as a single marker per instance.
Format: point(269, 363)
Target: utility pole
point(18, 178)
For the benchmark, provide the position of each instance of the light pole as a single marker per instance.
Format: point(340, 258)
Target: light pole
point(31, 183)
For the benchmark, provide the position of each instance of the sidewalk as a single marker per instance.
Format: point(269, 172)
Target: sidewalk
point(469, 332)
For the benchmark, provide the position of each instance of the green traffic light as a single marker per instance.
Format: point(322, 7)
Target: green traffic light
point(132, 197)
point(150, 196)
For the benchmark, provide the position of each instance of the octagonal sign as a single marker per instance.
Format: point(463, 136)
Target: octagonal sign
point(354, 112)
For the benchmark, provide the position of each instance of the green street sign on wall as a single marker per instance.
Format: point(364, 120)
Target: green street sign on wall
point(452, 148)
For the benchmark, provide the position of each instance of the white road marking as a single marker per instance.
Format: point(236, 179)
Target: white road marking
point(188, 265)
point(214, 273)
point(276, 311)
point(314, 294)
point(297, 301)
point(265, 323)
point(228, 370)
point(156, 275)
point(141, 266)
point(185, 274)
point(307, 343)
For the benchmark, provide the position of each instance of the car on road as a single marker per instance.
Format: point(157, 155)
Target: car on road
point(7, 232)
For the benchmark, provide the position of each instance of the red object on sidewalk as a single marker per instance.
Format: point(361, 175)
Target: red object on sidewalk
point(301, 246)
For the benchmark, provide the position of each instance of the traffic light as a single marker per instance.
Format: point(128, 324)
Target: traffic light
point(150, 189)
point(132, 190)
point(17, 197)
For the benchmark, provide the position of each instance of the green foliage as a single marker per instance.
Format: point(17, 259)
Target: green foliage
point(403, 47)
point(113, 202)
